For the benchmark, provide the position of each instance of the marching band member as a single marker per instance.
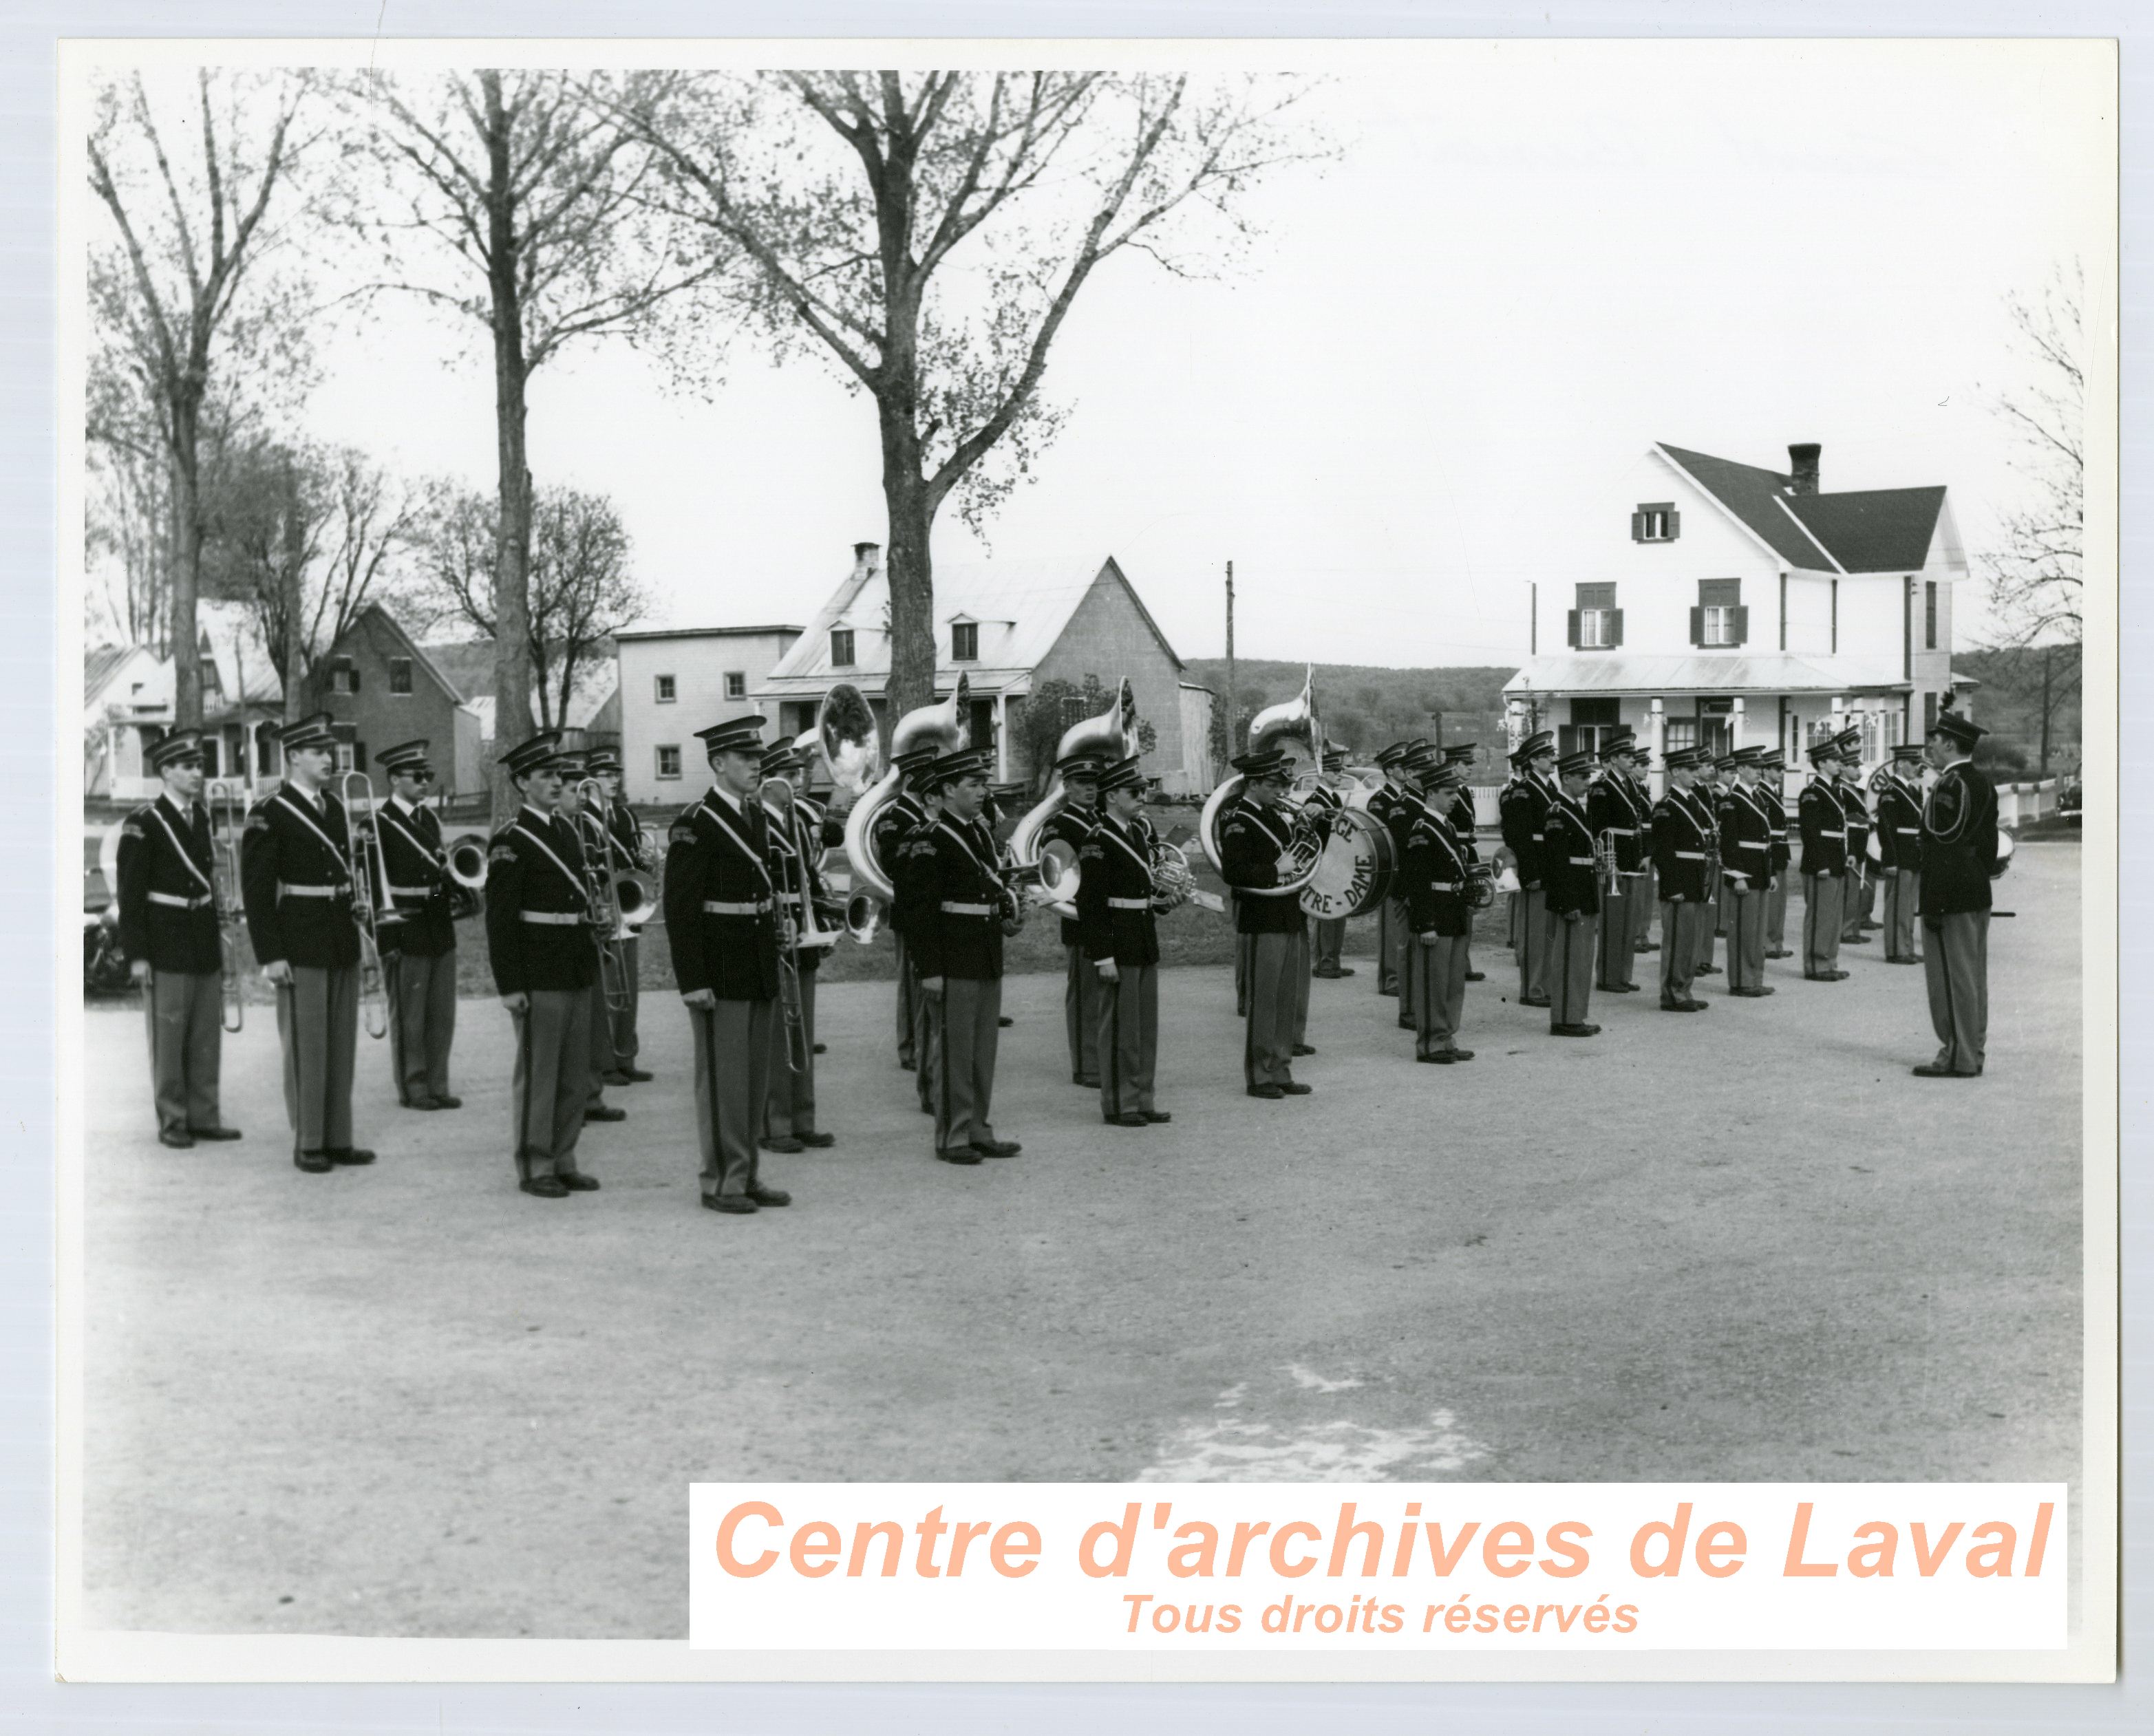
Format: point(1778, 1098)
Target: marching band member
point(295, 865)
point(1328, 934)
point(1705, 796)
point(960, 910)
point(904, 812)
point(1824, 824)
point(1081, 991)
point(1856, 925)
point(1571, 884)
point(1434, 869)
point(1772, 769)
point(1253, 838)
point(589, 831)
point(419, 949)
point(1524, 806)
point(1647, 894)
point(540, 942)
point(723, 926)
point(1416, 772)
point(1959, 859)
point(1746, 872)
point(1121, 947)
point(1900, 844)
point(1464, 822)
point(170, 929)
point(795, 842)
point(625, 853)
point(1391, 918)
point(1611, 807)
point(1679, 864)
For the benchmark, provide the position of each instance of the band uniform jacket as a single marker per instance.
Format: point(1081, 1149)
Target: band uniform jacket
point(950, 863)
point(1251, 841)
point(286, 843)
point(715, 855)
point(1610, 808)
point(418, 882)
point(1072, 826)
point(1117, 865)
point(1899, 825)
point(166, 852)
point(1746, 840)
point(1856, 807)
point(1398, 816)
point(1383, 803)
point(1523, 810)
point(624, 839)
point(1959, 842)
point(1776, 817)
point(1679, 849)
point(1433, 871)
point(802, 835)
point(536, 863)
point(1569, 877)
point(1464, 819)
point(1823, 823)
point(892, 826)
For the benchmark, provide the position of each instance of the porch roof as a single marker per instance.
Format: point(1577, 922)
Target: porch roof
point(1617, 673)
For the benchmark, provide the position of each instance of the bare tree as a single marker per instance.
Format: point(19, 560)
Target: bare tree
point(846, 196)
point(516, 209)
point(2035, 574)
point(582, 591)
point(184, 295)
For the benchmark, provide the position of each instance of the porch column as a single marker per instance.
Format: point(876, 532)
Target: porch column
point(1735, 721)
point(1656, 739)
point(1002, 735)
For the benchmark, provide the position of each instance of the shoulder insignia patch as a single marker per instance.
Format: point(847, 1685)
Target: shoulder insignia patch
point(257, 821)
point(132, 828)
point(683, 832)
point(501, 853)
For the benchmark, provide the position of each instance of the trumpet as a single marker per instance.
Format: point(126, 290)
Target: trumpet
point(226, 816)
point(370, 897)
point(1604, 858)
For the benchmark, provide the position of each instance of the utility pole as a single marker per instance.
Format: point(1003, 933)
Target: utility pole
point(2046, 651)
point(1233, 692)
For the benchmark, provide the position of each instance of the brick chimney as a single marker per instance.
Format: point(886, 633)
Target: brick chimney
point(867, 558)
point(1803, 467)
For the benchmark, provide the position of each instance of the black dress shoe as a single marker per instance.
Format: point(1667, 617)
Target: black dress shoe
point(1271, 1092)
point(178, 1138)
point(1633, 987)
point(1292, 1089)
point(1442, 1057)
point(785, 1143)
point(962, 1154)
point(213, 1133)
point(636, 1076)
point(764, 1196)
point(425, 1103)
point(1344, 970)
point(1407, 1024)
point(1931, 1070)
point(545, 1187)
point(1616, 988)
point(997, 1147)
point(1156, 1117)
point(1694, 1006)
point(1090, 1085)
point(1758, 994)
point(354, 1155)
point(739, 1205)
point(1300, 1048)
point(1533, 1000)
point(820, 1049)
point(906, 1066)
point(315, 1163)
point(1781, 952)
point(1462, 1054)
point(1131, 1119)
point(819, 1142)
point(1005, 1021)
point(448, 1103)
point(616, 1079)
point(1326, 976)
point(1707, 970)
point(1647, 946)
point(605, 1112)
point(579, 1183)
point(1573, 1030)
point(1477, 976)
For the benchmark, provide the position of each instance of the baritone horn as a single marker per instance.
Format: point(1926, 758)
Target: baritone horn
point(1052, 870)
point(466, 862)
point(941, 728)
point(371, 905)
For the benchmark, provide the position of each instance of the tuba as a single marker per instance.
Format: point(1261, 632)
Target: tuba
point(941, 727)
point(1052, 868)
point(1293, 720)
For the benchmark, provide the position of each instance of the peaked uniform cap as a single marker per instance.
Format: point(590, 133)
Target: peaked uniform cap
point(1080, 765)
point(1578, 764)
point(1534, 747)
point(736, 735)
point(1462, 753)
point(955, 768)
point(404, 757)
point(1389, 757)
point(1964, 731)
point(317, 731)
point(538, 752)
point(1266, 763)
point(180, 745)
point(1123, 774)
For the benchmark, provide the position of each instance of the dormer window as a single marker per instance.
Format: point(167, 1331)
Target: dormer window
point(841, 647)
point(1655, 522)
point(964, 642)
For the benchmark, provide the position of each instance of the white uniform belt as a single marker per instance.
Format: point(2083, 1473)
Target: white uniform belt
point(1443, 886)
point(286, 890)
point(966, 910)
point(788, 898)
point(551, 918)
point(1621, 831)
point(1908, 831)
point(411, 892)
point(724, 907)
point(178, 902)
point(1748, 844)
point(1128, 904)
point(1579, 861)
point(1690, 856)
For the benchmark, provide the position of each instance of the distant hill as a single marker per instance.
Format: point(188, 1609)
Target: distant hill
point(1366, 706)
point(2009, 704)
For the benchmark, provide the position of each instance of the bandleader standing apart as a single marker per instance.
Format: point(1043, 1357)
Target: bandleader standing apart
point(1252, 839)
point(1746, 872)
point(295, 865)
point(419, 949)
point(1823, 823)
point(1121, 948)
point(1524, 807)
point(1572, 882)
point(170, 928)
point(1680, 833)
point(541, 943)
point(1900, 845)
point(960, 911)
point(723, 924)
point(1080, 989)
point(796, 843)
point(1434, 869)
point(1959, 860)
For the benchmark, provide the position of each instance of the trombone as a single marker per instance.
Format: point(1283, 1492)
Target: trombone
point(227, 813)
point(606, 919)
point(370, 897)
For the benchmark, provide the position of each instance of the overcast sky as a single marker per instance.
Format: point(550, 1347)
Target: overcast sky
point(1530, 261)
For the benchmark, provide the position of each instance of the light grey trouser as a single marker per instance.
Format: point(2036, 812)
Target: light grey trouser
point(1328, 940)
point(908, 1008)
point(597, 1041)
point(1439, 967)
point(1746, 937)
point(790, 1108)
point(1531, 908)
point(1903, 900)
point(1956, 965)
point(1570, 967)
point(1279, 969)
point(551, 1083)
point(732, 1090)
point(1823, 896)
point(422, 1022)
point(1618, 926)
point(1128, 1037)
point(318, 1022)
point(1680, 922)
point(185, 1013)
point(1390, 930)
point(1081, 995)
point(966, 1034)
point(1776, 910)
point(626, 1042)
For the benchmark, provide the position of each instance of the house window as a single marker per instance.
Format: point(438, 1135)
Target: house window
point(841, 647)
point(210, 681)
point(265, 747)
point(736, 684)
point(964, 642)
point(400, 675)
point(664, 690)
point(349, 757)
point(1716, 726)
point(1596, 624)
point(1592, 721)
point(1720, 621)
point(669, 760)
point(344, 676)
point(210, 745)
point(1929, 714)
point(1655, 521)
point(1929, 615)
point(1681, 733)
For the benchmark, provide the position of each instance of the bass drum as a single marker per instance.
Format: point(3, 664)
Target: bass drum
point(2005, 846)
point(1354, 875)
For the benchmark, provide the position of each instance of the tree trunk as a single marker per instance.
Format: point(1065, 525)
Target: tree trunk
point(911, 567)
point(294, 579)
point(511, 573)
point(185, 572)
point(2046, 652)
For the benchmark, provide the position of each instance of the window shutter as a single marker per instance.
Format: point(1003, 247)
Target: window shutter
point(1570, 619)
point(1566, 738)
point(1637, 527)
point(1675, 525)
point(355, 677)
point(1739, 624)
point(1615, 628)
point(1698, 626)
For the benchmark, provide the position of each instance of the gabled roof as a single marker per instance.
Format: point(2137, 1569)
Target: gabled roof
point(1873, 530)
point(235, 644)
point(419, 653)
point(99, 666)
point(711, 632)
